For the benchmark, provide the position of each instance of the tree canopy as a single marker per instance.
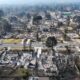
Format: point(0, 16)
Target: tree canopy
point(51, 41)
point(37, 18)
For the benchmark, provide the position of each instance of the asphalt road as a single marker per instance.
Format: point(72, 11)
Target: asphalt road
point(35, 44)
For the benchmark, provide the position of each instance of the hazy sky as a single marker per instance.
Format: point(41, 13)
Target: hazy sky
point(34, 1)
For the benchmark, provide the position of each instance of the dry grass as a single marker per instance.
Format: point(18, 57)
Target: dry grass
point(10, 41)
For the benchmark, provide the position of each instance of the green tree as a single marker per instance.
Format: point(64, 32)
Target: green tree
point(37, 19)
point(24, 73)
point(51, 41)
point(65, 35)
